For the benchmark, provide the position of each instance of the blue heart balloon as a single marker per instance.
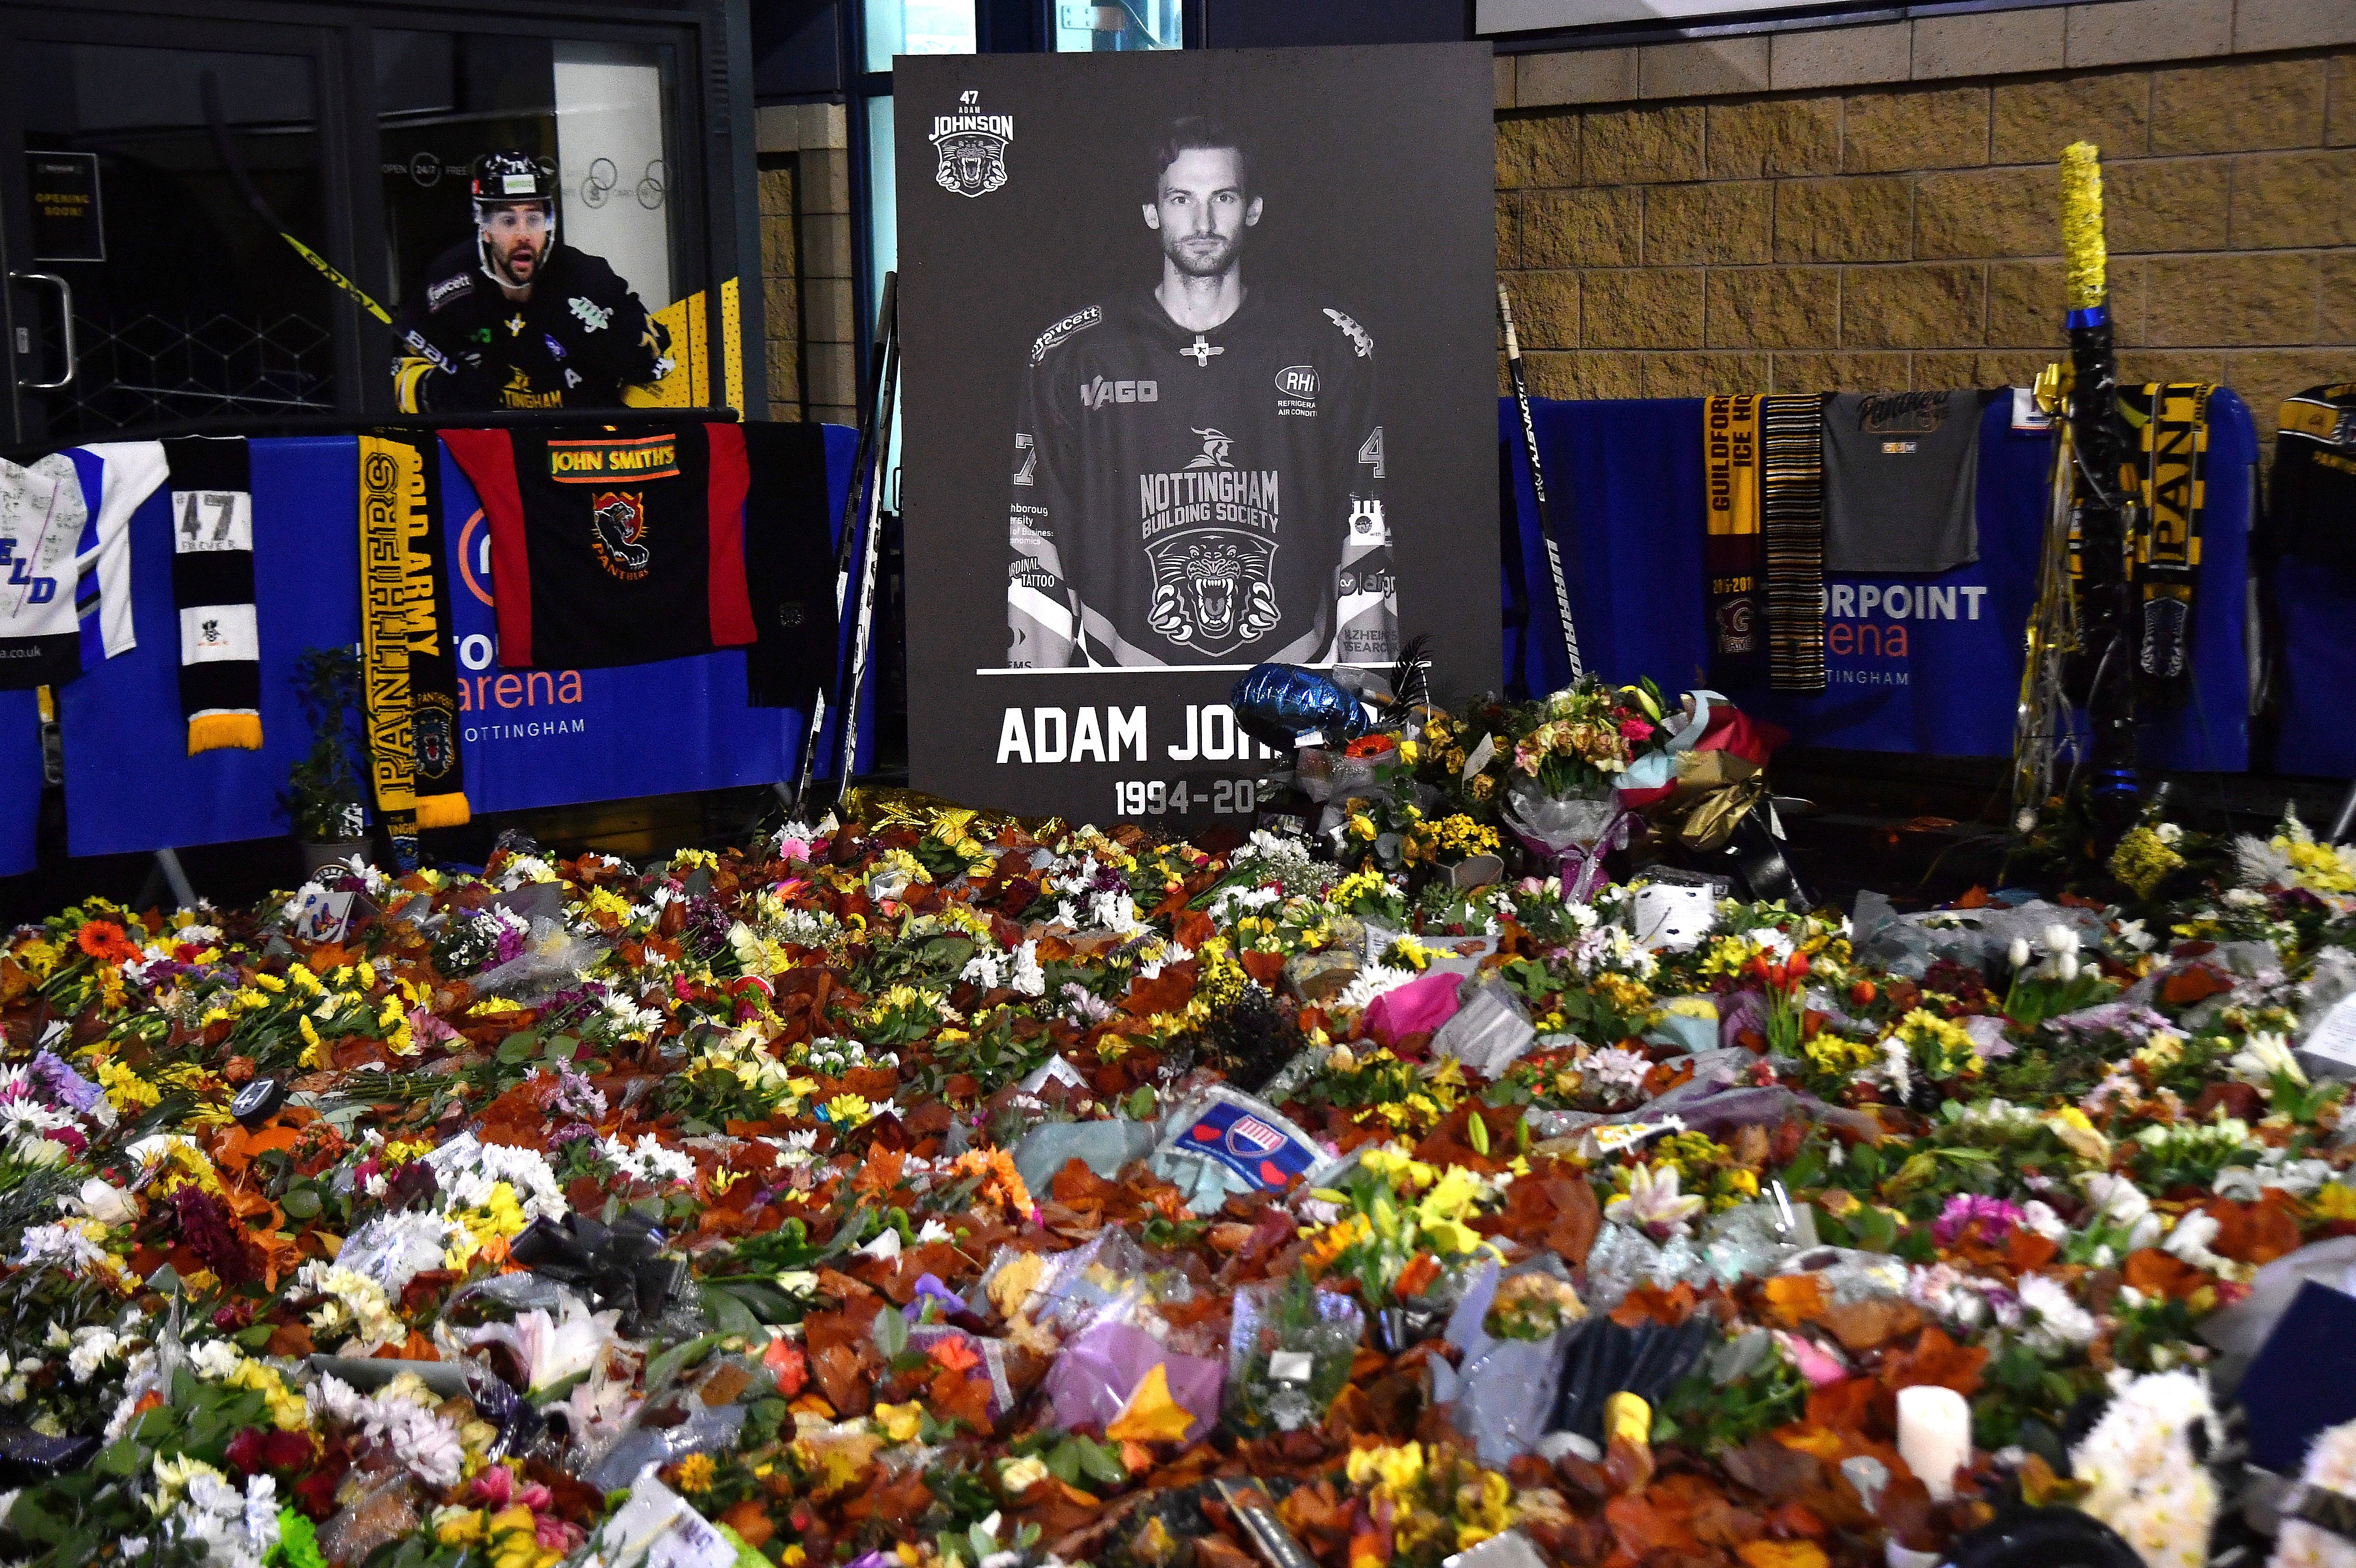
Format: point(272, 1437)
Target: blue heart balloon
point(1277, 704)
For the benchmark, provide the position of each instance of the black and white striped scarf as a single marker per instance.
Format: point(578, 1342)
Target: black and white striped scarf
point(213, 588)
point(1792, 507)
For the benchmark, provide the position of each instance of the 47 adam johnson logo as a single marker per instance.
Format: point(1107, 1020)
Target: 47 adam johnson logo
point(972, 147)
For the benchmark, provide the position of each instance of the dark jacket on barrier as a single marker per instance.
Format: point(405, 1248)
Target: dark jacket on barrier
point(463, 345)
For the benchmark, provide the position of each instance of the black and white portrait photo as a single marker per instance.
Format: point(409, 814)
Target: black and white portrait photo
point(1198, 461)
point(1224, 325)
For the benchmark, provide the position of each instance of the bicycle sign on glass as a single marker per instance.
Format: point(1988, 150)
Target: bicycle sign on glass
point(598, 184)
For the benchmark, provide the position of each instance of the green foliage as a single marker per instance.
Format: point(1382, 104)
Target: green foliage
point(2021, 1392)
point(323, 794)
point(1710, 1417)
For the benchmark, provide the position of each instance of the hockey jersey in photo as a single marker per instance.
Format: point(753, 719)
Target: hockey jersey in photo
point(612, 548)
point(1183, 497)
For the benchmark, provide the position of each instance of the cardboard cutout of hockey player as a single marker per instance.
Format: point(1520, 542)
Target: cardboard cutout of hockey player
point(514, 319)
point(1197, 471)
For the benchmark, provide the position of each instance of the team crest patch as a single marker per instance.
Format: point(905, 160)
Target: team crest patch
point(1735, 617)
point(617, 534)
point(972, 147)
point(430, 738)
point(1213, 591)
point(1254, 1148)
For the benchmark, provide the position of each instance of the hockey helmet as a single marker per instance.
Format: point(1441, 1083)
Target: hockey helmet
point(508, 177)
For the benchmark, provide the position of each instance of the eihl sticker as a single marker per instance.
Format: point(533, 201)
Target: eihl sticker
point(972, 147)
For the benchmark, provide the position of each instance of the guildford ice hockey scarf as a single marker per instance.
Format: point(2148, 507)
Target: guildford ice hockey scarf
point(1735, 554)
point(1792, 509)
point(212, 589)
point(2171, 422)
point(611, 548)
point(409, 675)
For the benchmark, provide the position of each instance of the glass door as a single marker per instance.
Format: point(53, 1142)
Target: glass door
point(173, 221)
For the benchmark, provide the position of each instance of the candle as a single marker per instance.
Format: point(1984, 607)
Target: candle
point(1934, 1436)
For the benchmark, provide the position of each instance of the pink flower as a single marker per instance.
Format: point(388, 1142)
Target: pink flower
point(1814, 1363)
point(556, 1535)
point(494, 1487)
point(1996, 1218)
point(793, 849)
point(1636, 729)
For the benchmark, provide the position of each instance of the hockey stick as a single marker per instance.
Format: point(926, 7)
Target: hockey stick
point(864, 630)
point(846, 540)
point(208, 88)
point(1537, 482)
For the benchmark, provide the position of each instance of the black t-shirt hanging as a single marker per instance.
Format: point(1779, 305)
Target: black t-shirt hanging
point(788, 565)
point(611, 548)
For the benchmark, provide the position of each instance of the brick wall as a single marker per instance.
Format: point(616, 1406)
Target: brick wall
point(1907, 236)
point(782, 309)
point(806, 264)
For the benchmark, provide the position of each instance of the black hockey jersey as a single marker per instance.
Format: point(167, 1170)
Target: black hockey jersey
point(2313, 510)
point(1184, 497)
point(460, 345)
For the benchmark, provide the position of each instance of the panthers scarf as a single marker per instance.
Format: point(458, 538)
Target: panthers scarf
point(2171, 423)
point(1735, 554)
point(211, 480)
point(409, 675)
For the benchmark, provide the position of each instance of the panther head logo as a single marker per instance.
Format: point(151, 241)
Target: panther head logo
point(1211, 575)
point(1212, 594)
point(619, 525)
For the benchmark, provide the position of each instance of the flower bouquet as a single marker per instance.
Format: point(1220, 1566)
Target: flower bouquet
point(1560, 763)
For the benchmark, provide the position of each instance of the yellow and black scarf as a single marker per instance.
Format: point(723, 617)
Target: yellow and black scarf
point(2171, 423)
point(409, 673)
point(1735, 554)
point(2165, 476)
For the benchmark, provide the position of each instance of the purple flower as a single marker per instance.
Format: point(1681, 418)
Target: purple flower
point(930, 1287)
point(1085, 1006)
point(1996, 1218)
point(572, 1006)
point(575, 1095)
point(65, 1084)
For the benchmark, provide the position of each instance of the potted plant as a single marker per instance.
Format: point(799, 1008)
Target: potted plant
point(324, 796)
